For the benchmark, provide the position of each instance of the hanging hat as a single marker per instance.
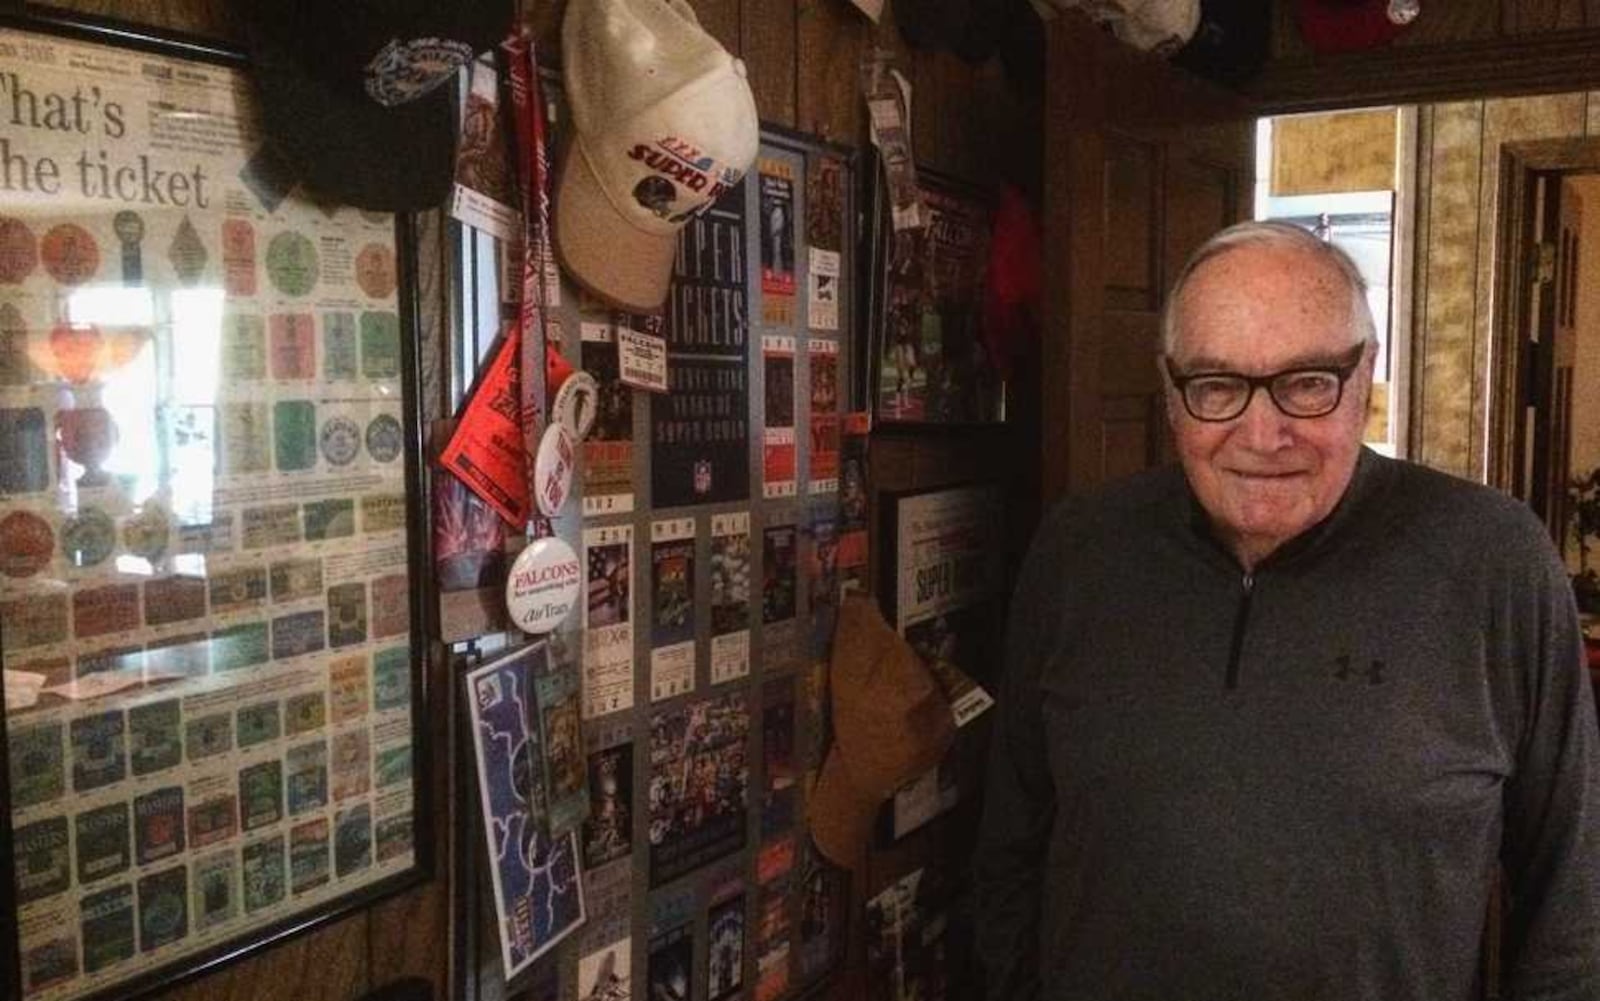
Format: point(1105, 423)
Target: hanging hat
point(1352, 25)
point(1230, 44)
point(1161, 26)
point(663, 125)
point(355, 96)
point(891, 723)
point(1150, 25)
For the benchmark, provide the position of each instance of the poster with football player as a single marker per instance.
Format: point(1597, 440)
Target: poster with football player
point(699, 780)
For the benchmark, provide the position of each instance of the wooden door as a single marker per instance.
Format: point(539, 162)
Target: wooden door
point(1142, 163)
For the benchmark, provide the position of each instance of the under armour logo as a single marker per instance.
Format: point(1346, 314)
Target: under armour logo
point(1374, 670)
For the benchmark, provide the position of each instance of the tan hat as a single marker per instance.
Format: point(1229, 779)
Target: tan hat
point(1152, 25)
point(1162, 26)
point(663, 124)
point(891, 723)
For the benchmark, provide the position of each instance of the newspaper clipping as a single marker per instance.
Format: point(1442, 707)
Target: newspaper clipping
point(204, 579)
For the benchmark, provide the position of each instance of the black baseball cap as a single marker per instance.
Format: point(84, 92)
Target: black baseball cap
point(1230, 45)
point(356, 96)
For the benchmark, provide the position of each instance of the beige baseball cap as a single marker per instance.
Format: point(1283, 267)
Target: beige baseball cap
point(663, 124)
point(1153, 25)
point(891, 723)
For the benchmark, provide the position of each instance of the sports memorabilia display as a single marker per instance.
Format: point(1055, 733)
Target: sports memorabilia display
point(209, 527)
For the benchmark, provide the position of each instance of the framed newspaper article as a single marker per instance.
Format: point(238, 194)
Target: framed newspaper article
point(929, 361)
point(210, 560)
point(946, 548)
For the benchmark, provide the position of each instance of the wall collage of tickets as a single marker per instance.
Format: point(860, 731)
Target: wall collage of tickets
point(716, 525)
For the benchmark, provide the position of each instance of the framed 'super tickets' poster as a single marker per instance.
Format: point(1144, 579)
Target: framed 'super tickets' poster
point(210, 553)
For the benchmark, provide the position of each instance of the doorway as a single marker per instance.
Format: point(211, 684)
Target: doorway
point(1580, 510)
point(1546, 412)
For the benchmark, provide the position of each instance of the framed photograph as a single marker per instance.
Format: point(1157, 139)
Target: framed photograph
point(211, 555)
point(929, 362)
point(945, 549)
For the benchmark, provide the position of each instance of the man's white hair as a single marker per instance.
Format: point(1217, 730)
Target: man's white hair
point(1269, 233)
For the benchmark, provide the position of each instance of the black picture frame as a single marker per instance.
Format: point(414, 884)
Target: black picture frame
point(943, 570)
point(924, 305)
point(162, 955)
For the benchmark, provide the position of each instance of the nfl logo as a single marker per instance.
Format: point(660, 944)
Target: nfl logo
point(702, 476)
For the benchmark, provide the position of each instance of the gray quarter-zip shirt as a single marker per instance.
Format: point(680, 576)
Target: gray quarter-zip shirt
point(1297, 783)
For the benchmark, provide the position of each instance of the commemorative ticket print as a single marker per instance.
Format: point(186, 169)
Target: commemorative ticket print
point(775, 886)
point(607, 620)
point(604, 943)
point(824, 371)
point(607, 470)
point(777, 436)
point(203, 558)
point(725, 931)
point(699, 780)
point(776, 189)
point(730, 596)
point(672, 651)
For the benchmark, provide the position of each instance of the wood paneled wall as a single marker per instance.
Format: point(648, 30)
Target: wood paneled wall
point(802, 58)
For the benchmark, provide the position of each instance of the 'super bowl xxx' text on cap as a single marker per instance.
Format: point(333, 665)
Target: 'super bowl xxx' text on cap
point(354, 94)
point(891, 723)
point(663, 124)
point(1351, 25)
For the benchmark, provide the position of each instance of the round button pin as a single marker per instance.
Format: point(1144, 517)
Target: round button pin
point(552, 468)
point(543, 586)
point(576, 403)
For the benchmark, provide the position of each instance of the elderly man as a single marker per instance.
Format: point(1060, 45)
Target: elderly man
point(1272, 720)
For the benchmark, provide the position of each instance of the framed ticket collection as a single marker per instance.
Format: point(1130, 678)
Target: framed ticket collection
point(715, 524)
point(209, 547)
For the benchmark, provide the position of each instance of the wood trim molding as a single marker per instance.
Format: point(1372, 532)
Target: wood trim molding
point(1511, 262)
point(1501, 67)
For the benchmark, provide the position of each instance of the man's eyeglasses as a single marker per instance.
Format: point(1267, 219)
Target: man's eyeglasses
point(1314, 391)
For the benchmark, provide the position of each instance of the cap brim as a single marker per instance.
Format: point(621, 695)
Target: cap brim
point(604, 253)
point(348, 148)
point(1167, 26)
point(841, 815)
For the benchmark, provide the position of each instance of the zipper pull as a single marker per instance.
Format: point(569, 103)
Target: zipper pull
point(1240, 618)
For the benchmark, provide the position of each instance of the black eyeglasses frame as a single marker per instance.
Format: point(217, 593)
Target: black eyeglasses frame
point(1342, 371)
